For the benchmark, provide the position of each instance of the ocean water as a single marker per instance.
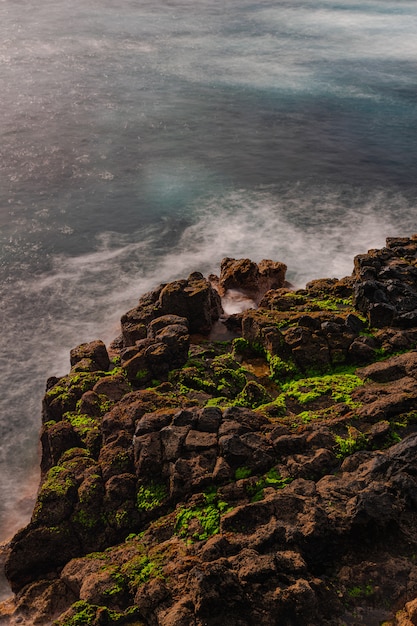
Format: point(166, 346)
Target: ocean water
point(144, 140)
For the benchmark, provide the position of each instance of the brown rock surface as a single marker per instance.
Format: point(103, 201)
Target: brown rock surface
point(263, 481)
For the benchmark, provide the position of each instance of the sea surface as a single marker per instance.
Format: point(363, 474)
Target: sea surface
point(140, 141)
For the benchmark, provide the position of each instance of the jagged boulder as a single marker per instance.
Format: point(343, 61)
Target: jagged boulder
point(253, 279)
point(95, 352)
point(193, 298)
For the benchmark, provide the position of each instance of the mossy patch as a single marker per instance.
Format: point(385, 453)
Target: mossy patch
point(58, 482)
point(140, 569)
point(81, 422)
point(150, 496)
point(217, 376)
point(242, 472)
point(353, 442)
point(272, 478)
point(83, 613)
point(252, 396)
point(337, 387)
point(281, 369)
point(200, 522)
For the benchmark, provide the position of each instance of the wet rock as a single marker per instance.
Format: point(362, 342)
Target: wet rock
point(391, 369)
point(172, 440)
point(148, 454)
point(209, 419)
point(42, 601)
point(252, 279)
point(215, 591)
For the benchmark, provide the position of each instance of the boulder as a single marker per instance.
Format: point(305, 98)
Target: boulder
point(252, 279)
point(95, 350)
point(192, 299)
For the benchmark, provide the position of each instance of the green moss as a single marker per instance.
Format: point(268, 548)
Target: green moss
point(338, 386)
point(80, 421)
point(66, 394)
point(121, 462)
point(121, 518)
point(355, 441)
point(242, 472)
point(206, 518)
point(119, 585)
point(141, 375)
point(221, 377)
point(327, 304)
point(55, 391)
point(271, 479)
point(190, 378)
point(307, 416)
point(105, 404)
point(134, 536)
point(221, 402)
point(230, 381)
point(280, 369)
point(58, 481)
point(294, 299)
point(240, 346)
point(140, 569)
point(150, 496)
point(252, 396)
point(73, 453)
point(100, 556)
point(225, 361)
point(49, 424)
point(85, 614)
point(276, 408)
point(364, 591)
point(86, 519)
point(196, 362)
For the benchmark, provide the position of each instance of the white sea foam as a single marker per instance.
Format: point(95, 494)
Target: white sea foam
point(289, 47)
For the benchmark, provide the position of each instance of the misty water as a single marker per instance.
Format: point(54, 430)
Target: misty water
point(144, 140)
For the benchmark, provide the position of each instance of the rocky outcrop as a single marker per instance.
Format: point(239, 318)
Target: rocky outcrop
point(385, 287)
point(193, 299)
point(269, 479)
point(252, 279)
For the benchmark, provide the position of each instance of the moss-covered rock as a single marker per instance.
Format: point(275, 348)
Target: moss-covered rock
point(266, 479)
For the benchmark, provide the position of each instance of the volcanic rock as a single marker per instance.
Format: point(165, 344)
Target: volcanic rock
point(265, 480)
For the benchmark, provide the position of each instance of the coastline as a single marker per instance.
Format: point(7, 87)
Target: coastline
point(168, 452)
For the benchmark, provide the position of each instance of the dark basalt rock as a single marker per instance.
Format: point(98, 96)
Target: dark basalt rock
point(250, 278)
point(385, 286)
point(96, 351)
point(193, 299)
point(260, 482)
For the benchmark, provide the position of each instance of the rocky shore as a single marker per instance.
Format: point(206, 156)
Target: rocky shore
point(266, 479)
